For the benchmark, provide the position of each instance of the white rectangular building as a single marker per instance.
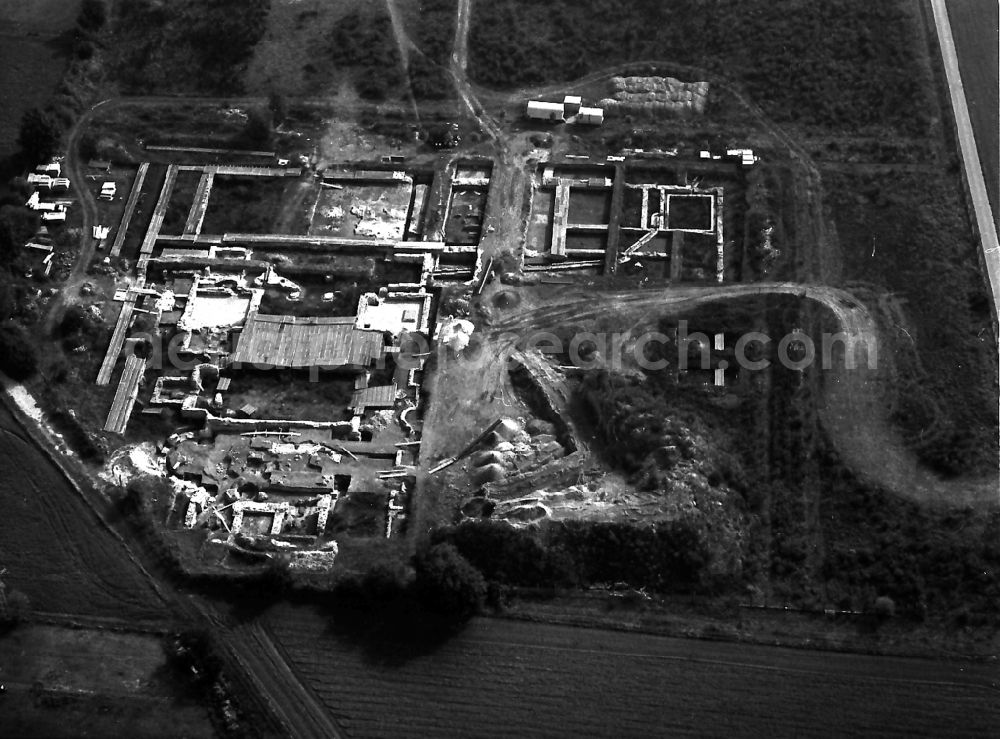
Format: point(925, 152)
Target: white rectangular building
point(543, 111)
point(591, 116)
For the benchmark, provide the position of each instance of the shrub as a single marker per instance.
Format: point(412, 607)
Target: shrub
point(83, 49)
point(87, 146)
point(6, 300)
point(18, 358)
point(429, 81)
point(186, 45)
point(278, 106)
point(885, 607)
point(194, 656)
point(74, 321)
point(93, 14)
point(447, 583)
point(505, 555)
point(14, 607)
point(258, 129)
point(39, 135)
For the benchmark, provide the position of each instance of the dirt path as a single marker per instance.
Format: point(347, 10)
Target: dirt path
point(75, 171)
point(853, 410)
point(459, 62)
point(298, 709)
point(460, 55)
point(403, 40)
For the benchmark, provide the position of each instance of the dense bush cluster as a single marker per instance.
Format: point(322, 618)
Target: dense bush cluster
point(670, 557)
point(942, 562)
point(18, 357)
point(191, 45)
point(447, 583)
point(648, 428)
point(366, 43)
point(842, 63)
point(38, 137)
point(78, 327)
point(428, 80)
point(17, 225)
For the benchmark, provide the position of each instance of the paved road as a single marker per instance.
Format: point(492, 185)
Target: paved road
point(970, 153)
point(975, 26)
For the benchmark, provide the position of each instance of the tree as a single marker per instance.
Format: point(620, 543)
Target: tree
point(447, 583)
point(18, 358)
point(93, 14)
point(258, 128)
point(14, 607)
point(428, 80)
point(6, 299)
point(278, 106)
point(885, 607)
point(18, 191)
point(17, 225)
point(87, 147)
point(39, 135)
point(75, 321)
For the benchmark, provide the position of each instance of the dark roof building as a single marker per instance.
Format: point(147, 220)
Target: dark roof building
point(382, 396)
point(296, 342)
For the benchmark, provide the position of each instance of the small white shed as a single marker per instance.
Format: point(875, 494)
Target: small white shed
point(592, 116)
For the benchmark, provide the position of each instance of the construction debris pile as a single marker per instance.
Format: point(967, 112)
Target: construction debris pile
point(656, 95)
point(515, 449)
point(265, 488)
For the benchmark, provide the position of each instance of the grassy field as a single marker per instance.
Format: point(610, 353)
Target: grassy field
point(290, 57)
point(244, 204)
point(30, 58)
point(913, 242)
point(506, 678)
point(842, 64)
point(92, 683)
point(32, 69)
point(974, 25)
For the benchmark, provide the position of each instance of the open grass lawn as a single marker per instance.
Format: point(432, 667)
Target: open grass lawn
point(38, 16)
point(244, 205)
point(93, 683)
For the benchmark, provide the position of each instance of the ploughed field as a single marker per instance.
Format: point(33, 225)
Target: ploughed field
point(54, 547)
point(511, 678)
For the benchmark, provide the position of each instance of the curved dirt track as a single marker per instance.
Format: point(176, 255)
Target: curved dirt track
point(852, 409)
